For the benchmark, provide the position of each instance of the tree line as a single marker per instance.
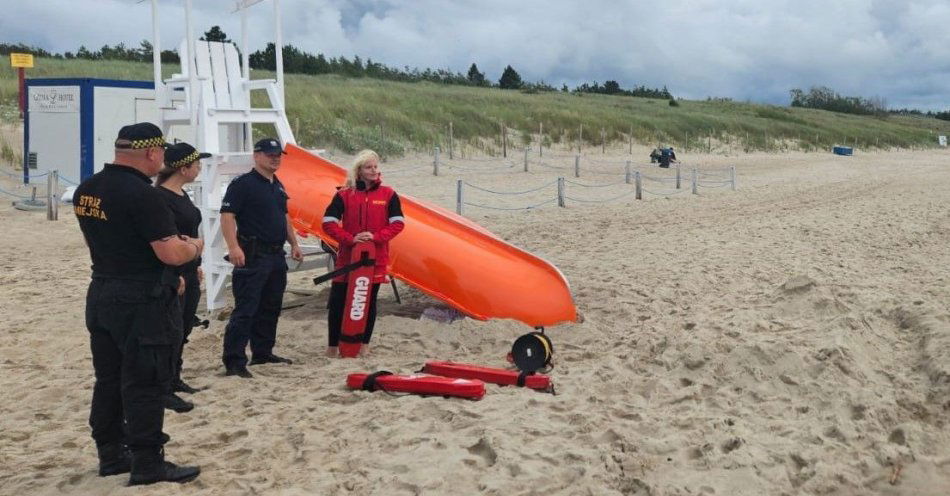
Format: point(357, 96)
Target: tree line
point(143, 53)
point(824, 98)
point(297, 61)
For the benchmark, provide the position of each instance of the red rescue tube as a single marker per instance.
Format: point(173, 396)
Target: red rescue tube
point(420, 384)
point(359, 290)
point(503, 377)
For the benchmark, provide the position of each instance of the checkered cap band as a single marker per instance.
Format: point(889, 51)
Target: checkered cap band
point(185, 161)
point(140, 144)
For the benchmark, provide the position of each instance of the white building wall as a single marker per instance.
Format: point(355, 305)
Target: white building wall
point(54, 129)
point(114, 108)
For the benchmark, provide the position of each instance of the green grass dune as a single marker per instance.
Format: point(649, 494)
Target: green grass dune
point(347, 114)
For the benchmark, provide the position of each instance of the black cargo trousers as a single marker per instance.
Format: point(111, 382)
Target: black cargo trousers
point(134, 327)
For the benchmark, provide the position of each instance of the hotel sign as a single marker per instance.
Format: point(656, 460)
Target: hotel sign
point(54, 99)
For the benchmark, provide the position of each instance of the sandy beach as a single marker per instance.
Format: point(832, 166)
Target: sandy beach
point(788, 338)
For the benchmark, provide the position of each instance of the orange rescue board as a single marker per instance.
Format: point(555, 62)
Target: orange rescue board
point(441, 253)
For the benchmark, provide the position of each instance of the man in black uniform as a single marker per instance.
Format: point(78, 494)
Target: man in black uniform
point(132, 306)
point(255, 225)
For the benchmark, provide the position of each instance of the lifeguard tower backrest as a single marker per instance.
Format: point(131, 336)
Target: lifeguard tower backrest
point(218, 64)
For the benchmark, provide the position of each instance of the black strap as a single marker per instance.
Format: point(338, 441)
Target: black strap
point(351, 338)
point(522, 377)
point(346, 269)
point(395, 291)
point(369, 384)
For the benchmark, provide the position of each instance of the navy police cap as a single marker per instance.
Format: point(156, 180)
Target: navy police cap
point(269, 146)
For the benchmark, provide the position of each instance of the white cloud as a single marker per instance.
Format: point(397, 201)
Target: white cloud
point(744, 49)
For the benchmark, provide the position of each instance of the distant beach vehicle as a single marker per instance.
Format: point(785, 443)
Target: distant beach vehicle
point(843, 150)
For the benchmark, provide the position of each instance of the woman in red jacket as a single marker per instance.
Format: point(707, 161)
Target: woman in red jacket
point(362, 210)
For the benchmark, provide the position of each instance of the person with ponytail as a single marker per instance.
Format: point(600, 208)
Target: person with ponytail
point(363, 210)
point(182, 166)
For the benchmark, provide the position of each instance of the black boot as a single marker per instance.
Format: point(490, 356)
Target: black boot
point(174, 402)
point(149, 466)
point(114, 459)
point(180, 386)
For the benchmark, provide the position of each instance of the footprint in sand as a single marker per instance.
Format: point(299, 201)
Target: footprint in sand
point(229, 437)
point(484, 450)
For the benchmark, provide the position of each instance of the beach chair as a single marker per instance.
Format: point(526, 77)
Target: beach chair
point(218, 98)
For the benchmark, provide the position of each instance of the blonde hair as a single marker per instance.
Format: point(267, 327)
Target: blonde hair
point(361, 158)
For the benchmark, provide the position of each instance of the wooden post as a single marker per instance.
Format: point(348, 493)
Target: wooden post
point(627, 173)
point(577, 166)
point(695, 182)
point(458, 197)
point(580, 137)
point(603, 141)
point(560, 192)
point(732, 171)
point(630, 151)
point(678, 176)
point(526, 159)
point(21, 84)
point(52, 195)
point(639, 182)
point(504, 141)
point(709, 144)
point(540, 141)
point(451, 144)
point(435, 163)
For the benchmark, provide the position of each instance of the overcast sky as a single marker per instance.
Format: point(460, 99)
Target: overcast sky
point(742, 49)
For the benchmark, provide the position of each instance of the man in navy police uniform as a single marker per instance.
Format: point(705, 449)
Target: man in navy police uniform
point(132, 311)
point(255, 225)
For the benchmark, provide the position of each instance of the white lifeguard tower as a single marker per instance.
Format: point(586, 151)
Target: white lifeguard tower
point(211, 98)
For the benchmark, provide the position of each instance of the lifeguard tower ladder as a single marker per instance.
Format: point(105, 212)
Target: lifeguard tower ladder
point(212, 98)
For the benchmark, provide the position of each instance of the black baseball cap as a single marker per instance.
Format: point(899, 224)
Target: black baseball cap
point(140, 135)
point(269, 146)
point(182, 154)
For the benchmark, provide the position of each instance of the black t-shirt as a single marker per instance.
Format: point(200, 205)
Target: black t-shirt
point(120, 213)
point(187, 219)
point(187, 215)
point(259, 207)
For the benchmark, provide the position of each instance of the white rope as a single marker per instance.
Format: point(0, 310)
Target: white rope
point(593, 185)
point(529, 207)
point(509, 192)
point(600, 201)
point(660, 193)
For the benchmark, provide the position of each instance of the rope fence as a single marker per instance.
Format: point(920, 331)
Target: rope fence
point(510, 192)
point(528, 161)
point(635, 177)
point(53, 195)
point(19, 177)
point(15, 195)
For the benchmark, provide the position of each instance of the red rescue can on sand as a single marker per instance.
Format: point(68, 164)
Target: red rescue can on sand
point(359, 289)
